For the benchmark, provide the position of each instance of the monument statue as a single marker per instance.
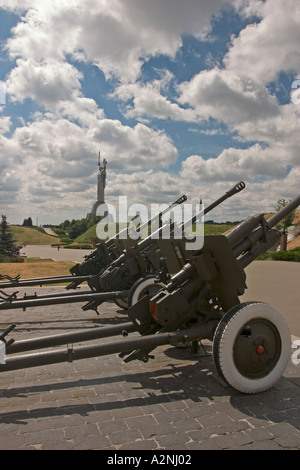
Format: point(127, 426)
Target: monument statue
point(101, 180)
point(101, 183)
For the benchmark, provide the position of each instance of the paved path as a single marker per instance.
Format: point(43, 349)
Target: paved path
point(50, 231)
point(175, 402)
point(51, 252)
point(276, 283)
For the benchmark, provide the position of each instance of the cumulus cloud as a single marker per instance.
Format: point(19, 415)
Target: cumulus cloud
point(137, 147)
point(50, 160)
point(62, 149)
point(146, 187)
point(46, 81)
point(265, 48)
point(227, 97)
point(5, 124)
point(117, 35)
point(233, 163)
point(54, 159)
point(148, 100)
point(215, 93)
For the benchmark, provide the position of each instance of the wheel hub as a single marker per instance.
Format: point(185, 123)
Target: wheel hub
point(257, 348)
point(260, 349)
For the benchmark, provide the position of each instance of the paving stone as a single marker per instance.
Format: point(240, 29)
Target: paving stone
point(146, 444)
point(11, 442)
point(57, 445)
point(158, 430)
point(127, 412)
point(170, 416)
point(259, 434)
point(168, 441)
point(187, 425)
point(289, 441)
point(141, 422)
point(207, 444)
point(233, 440)
point(205, 433)
point(92, 443)
point(118, 438)
point(281, 429)
point(213, 419)
point(261, 445)
point(75, 432)
point(199, 410)
point(112, 426)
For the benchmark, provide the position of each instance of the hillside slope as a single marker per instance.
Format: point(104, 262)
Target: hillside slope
point(31, 236)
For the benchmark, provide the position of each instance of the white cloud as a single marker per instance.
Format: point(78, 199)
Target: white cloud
point(120, 35)
point(42, 30)
point(5, 124)
point(148, 100)
point(227, 97)
point(52, 162)
point(281, 133)
point(265, 48)
point(232, 164)
point(216, 93)
point(116, 35)
point(59, 143)
point(146, 187)
point(47, 81)
point(134, 148)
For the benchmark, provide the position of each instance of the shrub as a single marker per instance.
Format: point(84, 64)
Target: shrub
point(289, 255)
point(11, 259)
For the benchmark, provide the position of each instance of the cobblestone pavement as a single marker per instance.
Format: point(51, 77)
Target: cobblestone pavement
point(173, 402)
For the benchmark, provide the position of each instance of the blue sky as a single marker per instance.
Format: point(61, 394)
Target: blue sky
point(179, 97)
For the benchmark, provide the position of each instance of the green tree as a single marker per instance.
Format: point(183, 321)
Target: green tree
point(285, 223)
point(78, 228)
point(27, 222)
point(93, 220)
point(288, 220)
point(7, 245)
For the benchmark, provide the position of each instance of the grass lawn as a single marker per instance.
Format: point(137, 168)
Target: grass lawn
point(36, 267)
point(31, 236)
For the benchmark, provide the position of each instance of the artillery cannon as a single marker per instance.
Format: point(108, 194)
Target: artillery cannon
point(105, 252)
point(125, 278)
point(138, 267)
point(93, 264)
point(251, 341)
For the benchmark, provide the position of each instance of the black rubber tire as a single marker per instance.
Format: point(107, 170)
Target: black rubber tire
point(122, 303)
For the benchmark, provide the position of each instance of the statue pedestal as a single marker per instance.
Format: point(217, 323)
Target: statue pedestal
point(104, 213)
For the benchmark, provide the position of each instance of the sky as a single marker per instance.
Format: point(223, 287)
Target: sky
point(180, 97)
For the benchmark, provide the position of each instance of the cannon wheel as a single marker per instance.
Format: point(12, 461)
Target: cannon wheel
point(122, 303)
point(144, 286)
point(251, 347)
